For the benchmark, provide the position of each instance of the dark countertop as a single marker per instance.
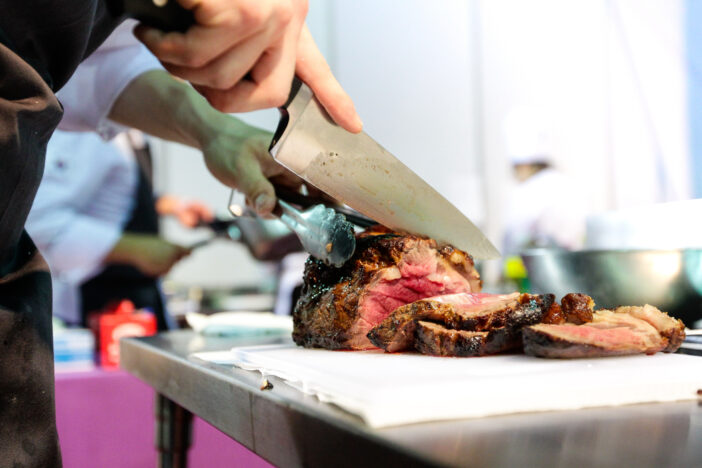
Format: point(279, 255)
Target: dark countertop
point(289, 428)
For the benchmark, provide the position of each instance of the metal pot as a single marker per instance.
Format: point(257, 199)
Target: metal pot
point(668, 279)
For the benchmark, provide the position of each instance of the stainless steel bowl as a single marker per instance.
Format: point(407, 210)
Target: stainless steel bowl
point(668, 279)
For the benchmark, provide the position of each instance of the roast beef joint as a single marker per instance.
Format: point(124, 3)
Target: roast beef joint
point(339, 306)
point(406, 293)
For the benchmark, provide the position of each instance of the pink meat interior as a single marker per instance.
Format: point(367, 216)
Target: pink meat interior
point(419, 275)
point(612, 330)
point(615, 338)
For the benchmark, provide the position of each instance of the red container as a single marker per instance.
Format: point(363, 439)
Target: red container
point(117, 321)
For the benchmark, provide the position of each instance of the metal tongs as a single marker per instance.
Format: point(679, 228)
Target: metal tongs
point(326, 232)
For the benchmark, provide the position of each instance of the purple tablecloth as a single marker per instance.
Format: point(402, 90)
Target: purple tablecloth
point(106, 419)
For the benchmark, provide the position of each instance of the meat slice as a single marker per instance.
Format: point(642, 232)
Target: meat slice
point(436, 339)
point(670, 328)
point(467, 311)
point(339, 306)
point(610, 333)
point(497, 319)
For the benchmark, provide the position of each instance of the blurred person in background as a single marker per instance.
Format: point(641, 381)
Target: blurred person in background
point(96, 221)
point(546, 208)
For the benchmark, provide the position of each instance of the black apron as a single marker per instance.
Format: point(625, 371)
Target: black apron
point(41, 44)
point(28, 114)
point(117, 282)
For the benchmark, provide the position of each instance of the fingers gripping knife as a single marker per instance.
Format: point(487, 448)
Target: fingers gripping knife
point(353, 168)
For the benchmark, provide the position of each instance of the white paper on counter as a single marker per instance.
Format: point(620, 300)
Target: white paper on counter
point(393, 389)
point(240, 324)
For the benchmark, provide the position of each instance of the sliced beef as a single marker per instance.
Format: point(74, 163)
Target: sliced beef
point(339, 306)
point(436, 339)
point(626, 330)
point(465, 311)
point(670, 328)
point(463, 324)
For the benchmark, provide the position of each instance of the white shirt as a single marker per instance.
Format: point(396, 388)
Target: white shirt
point(99, 80)
point(82, 205)
point(87, 192)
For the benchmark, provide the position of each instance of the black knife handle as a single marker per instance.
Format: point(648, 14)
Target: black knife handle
point(166, 15)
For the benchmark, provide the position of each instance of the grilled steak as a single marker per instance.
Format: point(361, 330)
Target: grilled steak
point(626, 330)
point(461, 324)
point(339, 306)
point(467, 311)
point(436, 339)
point(670, 328)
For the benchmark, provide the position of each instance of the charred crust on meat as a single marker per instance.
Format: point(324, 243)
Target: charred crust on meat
point(554, 315)
point(438, 340)
point(675, 338)
point(459, 259)
point(577, 308)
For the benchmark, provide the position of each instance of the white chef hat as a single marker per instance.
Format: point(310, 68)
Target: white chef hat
point(528, 136)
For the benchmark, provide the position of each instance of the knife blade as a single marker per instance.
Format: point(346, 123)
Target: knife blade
point(358, 171)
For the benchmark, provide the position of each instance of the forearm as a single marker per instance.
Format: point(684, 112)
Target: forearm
point(149, 253)
point(162, 106)
point(124, 250)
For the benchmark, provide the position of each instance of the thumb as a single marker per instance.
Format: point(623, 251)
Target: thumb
point(258, 190)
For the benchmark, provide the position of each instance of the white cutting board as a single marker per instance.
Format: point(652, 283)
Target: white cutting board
point(392, 389)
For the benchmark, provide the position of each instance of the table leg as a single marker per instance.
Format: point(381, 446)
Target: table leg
point(173, 433)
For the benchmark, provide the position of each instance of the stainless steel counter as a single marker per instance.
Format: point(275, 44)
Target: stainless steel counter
point(289, 428)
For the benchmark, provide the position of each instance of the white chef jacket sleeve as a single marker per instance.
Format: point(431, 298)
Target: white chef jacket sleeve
point(70, 259)
point(82, 205)
point(88, 96)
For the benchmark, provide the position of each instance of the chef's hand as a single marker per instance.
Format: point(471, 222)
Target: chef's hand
point(267, 39)
point(189, 213)
point(150, 254)
point(238, 157)
point(235, 152)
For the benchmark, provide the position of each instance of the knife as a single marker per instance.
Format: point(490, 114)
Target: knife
point(356, 170)
point(353, 168)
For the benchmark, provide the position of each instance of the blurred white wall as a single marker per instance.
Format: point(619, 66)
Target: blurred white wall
point(612, 75)
point(546, 54)
point(434, 81)
point(648, 110)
